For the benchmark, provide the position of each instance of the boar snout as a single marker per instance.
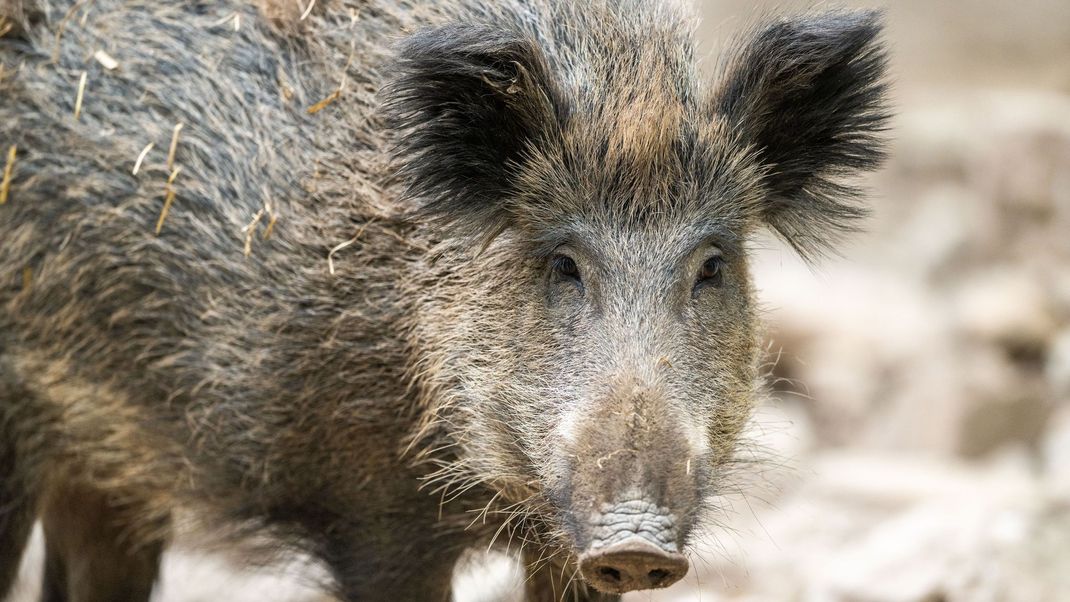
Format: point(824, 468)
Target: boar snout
point(636, 483)
point(633, 547)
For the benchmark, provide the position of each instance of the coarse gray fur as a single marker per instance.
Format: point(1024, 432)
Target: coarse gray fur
point(427, 278)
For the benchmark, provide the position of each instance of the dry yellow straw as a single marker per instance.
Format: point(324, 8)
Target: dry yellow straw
point(308, 10)
point(174, 146)
point(271, 223)
point(250, 230)
point(333, 96)
point(9, 170)
point(81, 93)
point(27, 277)
point(319, 106)
point(106, 60)
point(170, 198)
point(141, 157)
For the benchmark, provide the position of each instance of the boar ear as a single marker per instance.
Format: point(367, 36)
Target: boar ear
point(808, 96)
point(467, 103)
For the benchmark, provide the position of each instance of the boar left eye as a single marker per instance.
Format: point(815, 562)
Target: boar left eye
point(710, 273)
point(566, 267)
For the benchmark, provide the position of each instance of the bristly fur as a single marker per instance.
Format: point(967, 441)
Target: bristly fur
point(809, 94)
point(362, 385)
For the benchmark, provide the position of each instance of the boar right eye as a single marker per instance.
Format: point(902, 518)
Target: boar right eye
point(709, 275)
point(566, 267)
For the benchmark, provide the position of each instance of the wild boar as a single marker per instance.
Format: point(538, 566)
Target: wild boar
point(381, 281)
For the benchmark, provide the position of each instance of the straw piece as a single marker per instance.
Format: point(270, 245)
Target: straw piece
point(170, 198)
point(308, 10)
point(319, 106)
point(141, 157)
point(250, 230)
point(106, 60)
point(9, 170)
point(174, 146)
point(27, 278)
point(271, 222)
point(333, 96)
point(81, 94)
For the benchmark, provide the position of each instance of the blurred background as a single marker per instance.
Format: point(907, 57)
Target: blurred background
point(917, 444)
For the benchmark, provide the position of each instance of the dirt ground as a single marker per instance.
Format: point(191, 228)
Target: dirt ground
point(917, 445)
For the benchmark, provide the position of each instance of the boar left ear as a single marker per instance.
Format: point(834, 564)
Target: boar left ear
point(467, 103)
point(808, 96)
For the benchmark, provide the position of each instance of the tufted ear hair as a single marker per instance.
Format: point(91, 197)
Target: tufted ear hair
point(468, 102)
point(808, 95)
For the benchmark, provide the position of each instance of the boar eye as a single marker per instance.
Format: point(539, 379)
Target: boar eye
point(566, 267)
point(710, 273)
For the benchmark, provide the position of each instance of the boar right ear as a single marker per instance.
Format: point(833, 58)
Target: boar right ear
point(807, 95)
point(468, 102)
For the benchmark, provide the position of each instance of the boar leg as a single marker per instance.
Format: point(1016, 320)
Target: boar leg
point(91, 555)
point(394, 561)
point(16, 510)
point(17, 495)
point(16, 519)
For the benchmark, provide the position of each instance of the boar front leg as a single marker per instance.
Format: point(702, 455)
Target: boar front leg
point(90, 554)
point(18, 478)
point(393, 561)
point(23, 451)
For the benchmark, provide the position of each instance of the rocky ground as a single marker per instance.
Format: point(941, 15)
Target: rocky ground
point(917, 445)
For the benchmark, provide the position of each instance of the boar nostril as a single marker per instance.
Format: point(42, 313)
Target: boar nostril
point(658, 575)
point(631, 565)
point(610, 573)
